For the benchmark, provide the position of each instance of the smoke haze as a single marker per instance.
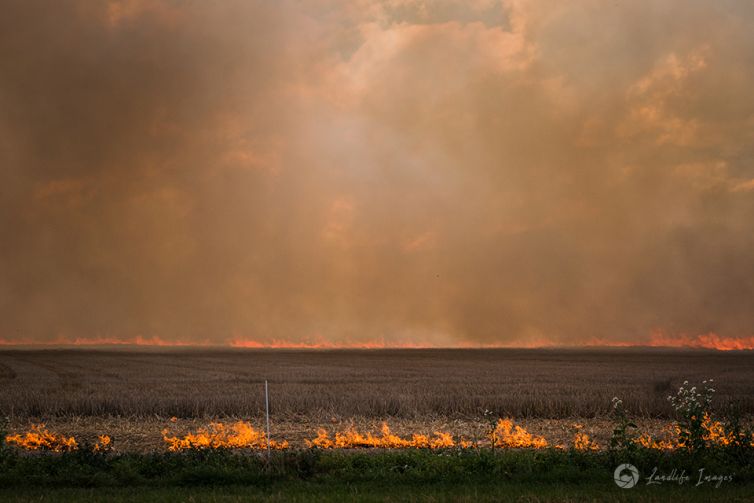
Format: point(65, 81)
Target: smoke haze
point(409, 172)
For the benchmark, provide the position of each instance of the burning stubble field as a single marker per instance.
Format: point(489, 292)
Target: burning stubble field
point(132, 395)
point(166, 418)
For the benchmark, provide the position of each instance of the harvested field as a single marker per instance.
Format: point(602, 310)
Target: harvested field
point(336, 385)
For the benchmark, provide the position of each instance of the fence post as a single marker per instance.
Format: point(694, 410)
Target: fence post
point(267, 412)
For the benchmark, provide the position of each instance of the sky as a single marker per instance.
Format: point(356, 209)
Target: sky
point(377, 173)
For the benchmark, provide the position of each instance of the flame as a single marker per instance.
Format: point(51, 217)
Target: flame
point(353, 439)
point(316, 342)
point(582, 442)
point(105, 341)
point(656, 338)
point(704, 341)
point(320, 343)
point(240, 435)
point(648, 442)
point(38, 438)
point(714, 434)
point(104, 444)
point(660, 339)
point(505, 434)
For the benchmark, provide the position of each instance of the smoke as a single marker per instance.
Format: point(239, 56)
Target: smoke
point(409, 172)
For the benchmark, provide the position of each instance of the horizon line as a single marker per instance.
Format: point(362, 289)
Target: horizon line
point(338, 347)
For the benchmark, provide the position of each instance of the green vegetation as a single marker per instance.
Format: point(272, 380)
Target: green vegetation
point(450, 467)
point(374, 492)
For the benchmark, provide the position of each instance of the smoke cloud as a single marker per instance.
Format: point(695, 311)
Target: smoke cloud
point(411, 172)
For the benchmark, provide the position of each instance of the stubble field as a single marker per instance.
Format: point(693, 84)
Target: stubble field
point(134, 394)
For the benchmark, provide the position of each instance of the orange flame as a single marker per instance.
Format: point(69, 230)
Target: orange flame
point(104, 444)
point(104, 341)
point(582, 442)
point(705, 341)
point(353, 439)
point(648, 442)
point(38, 438)
point(714, 434)
point(321, 343)
point(505, 434)
point(657, 338)
point(240, 435)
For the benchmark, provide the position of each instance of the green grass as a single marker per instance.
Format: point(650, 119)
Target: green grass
point(382, 492)
point(411, 475)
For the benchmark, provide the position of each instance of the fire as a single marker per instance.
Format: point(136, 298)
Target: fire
point(714, 434)
point(38, 438)
point(104, 444)
point(656, 338)
point(240, 435)
point(582, 442)
point(661, 339)
point(104, 341)
point(353, 439)
point(648, 442)
point(506, 434)
point(319, 343)
point(705, 341)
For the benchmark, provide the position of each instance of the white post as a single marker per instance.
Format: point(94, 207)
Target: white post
point(267, 411)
